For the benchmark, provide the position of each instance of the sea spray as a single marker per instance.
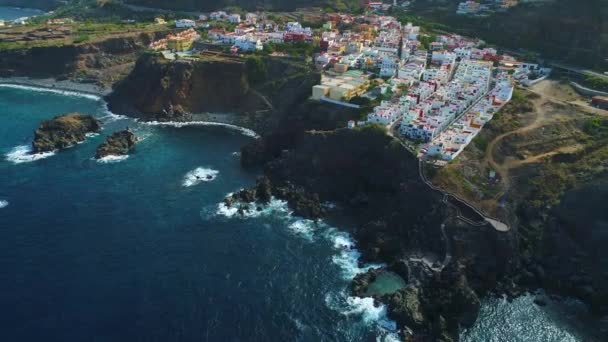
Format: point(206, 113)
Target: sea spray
point(23, 154)
point(346, 259)
point(51, 90)
point(3, 204)
point(198, 175)
point(110, 159)
point(243, 130)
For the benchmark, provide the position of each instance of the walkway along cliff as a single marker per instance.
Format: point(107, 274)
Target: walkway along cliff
point(448, 255)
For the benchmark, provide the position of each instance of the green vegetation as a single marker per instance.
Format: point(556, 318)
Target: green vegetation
point(481, 142)
point(566, 30)
point(256, 69)
point(595, 82)
point(546, 189)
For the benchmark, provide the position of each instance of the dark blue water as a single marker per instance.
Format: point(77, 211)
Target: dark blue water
point(124, 251)
point(136, 251)
point(12, 13)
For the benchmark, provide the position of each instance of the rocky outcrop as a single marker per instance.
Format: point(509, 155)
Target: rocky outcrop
point(63, 131)
point(303, 203)
point(399, 220)
point(118, 144)
point(252, 88)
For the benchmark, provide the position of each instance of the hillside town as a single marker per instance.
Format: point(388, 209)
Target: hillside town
point(434, 95)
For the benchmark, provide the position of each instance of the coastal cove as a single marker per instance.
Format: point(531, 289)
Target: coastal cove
point(142, 248)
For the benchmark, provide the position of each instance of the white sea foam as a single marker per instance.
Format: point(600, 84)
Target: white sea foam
point(346, 258)
point(23, 154)
point(304, 228)
point(91, 134)
point(198, 175)
point(243, 130)
point(112, 159)
point(3, 204)
point(111, 117)
point(51, 90)
point(275, 208)
point(370, 313)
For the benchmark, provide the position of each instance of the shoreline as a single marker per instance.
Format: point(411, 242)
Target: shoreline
point(54, 84)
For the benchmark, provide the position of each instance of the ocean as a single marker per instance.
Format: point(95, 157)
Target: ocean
point(140, 249)
point(12, 13)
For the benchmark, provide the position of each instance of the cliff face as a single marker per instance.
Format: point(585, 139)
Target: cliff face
point(572, 259)
point(158, 89)
point(65, 61)
point(399, 221)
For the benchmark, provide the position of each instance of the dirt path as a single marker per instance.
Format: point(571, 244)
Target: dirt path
point(551, 93)
point(502, 169)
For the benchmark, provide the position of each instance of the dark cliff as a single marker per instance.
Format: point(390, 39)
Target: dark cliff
point(67, 60)
point(399, 221)
point(158, 89)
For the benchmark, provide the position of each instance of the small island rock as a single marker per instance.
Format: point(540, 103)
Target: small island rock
point(63, 131)
point(118, 144)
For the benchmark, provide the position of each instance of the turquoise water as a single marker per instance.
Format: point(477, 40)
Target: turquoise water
point(137, 250)
point(386, 283)
point(12, 13)
point(141, 250)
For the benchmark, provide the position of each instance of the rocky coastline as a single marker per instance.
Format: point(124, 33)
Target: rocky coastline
point(63, 131)
point(447, 264)
point(118, 144)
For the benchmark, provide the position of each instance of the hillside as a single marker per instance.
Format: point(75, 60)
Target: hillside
point(40, 4)
point(569, 30)
point(548, 150)
point(209, 5)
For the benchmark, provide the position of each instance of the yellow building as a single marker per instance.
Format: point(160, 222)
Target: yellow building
point(342, 87)
point(179, 43)
point(320, 91)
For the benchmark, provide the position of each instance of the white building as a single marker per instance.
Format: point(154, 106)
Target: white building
point(248, 44)
point(389, 66)
point(219, 15)
point(385, 114)
point(183, 23)
point(234, 18)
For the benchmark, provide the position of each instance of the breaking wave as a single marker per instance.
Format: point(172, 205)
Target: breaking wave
point(112, 159)
point(51, 90)
point(243, 130)
point(346, 259)
point(23, 154)
point(3, 204)
point(198, 175)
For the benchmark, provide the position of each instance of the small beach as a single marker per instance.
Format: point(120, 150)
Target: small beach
point(60, 85)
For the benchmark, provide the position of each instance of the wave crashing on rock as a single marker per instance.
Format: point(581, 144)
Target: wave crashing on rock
point(23, 154)
point(112, 159)
point(198, 175)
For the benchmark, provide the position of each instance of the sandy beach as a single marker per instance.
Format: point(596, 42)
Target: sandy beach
point(51, 83)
